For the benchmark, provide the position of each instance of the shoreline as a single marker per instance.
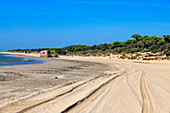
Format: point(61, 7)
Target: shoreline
point(19, 60)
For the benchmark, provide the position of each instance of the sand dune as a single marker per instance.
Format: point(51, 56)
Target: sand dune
point(126, 87)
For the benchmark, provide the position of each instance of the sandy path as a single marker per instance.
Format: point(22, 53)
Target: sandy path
point(146, 100)
point(128, 87)
point(134, 93)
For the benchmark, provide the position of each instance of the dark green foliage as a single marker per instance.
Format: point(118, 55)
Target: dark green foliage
point(140, 43)
point(136, 36)
point(167, 38)
point(129, 42)
point(76, 48)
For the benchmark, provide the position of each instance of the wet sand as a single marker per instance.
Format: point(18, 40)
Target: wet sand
point(104, 86)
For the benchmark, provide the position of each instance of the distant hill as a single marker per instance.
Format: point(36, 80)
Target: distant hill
point(137, 44)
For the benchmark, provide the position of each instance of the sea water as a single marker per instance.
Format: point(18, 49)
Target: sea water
point(6, 60)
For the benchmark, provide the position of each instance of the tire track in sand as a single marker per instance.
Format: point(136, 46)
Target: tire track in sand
point(86, 101)
point(133, 87)
point(148, 106)
point(46, 101)
point(28, 108)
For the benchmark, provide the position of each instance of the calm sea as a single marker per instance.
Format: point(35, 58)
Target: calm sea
point(6, 60)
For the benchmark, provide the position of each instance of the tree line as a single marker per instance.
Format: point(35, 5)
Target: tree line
point(138, 43)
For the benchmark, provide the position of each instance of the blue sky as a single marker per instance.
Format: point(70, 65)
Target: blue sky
point(58, 23)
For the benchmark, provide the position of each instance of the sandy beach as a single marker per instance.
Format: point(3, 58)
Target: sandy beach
point(85, 85)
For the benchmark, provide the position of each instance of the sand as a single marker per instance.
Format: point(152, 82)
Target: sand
point(103, 85)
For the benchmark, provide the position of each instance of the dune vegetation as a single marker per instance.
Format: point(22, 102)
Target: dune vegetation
point(137, 43)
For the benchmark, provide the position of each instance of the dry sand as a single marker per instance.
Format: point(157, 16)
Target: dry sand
point(87, 85)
